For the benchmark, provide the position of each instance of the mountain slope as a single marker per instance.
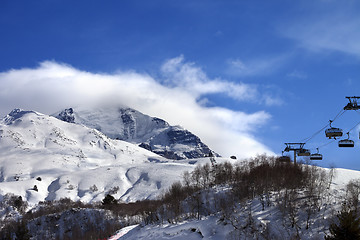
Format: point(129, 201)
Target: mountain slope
point(154, 134)
point(300, 213)
point(71, 160)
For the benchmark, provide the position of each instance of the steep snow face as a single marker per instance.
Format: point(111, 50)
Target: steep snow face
point(71, 160)
point(154, 134)
point(117, 123)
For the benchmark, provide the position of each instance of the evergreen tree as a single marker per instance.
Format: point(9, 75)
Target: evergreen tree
point(109, 200)
point(348, 227)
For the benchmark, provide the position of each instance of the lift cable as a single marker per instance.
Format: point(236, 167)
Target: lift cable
point(326, 144)
point(354, 127)
point(335, 139)
point(342, 111)
point(316, 133)
point(305, 140)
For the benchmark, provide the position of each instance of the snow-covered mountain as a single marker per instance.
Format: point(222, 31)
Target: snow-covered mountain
point(154, 134)
point(44, 158)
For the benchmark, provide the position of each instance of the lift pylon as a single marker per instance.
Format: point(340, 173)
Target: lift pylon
point(296, 147)
point(354, 103)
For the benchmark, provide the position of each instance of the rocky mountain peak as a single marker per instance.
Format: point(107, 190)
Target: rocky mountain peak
point(130, 125)
point(67, 115)
point(15, 115)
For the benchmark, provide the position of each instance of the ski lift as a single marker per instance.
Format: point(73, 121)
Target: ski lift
point(303, 152)
point(316, 156)
point(346, 142)
point(333, 132)
point(284, 159)
point(353, 103)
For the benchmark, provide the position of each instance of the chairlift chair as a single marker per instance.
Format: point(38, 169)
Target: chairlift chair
point(303, 152)
point(333, 132)
point(346, 143)
point(284, 159)
point(316, 156)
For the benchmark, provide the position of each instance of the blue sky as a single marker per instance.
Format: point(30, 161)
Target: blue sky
point(268, 71)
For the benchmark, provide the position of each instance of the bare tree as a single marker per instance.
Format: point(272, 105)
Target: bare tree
point(352, 194)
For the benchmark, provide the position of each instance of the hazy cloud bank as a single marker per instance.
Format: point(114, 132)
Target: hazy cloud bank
point(53, 86)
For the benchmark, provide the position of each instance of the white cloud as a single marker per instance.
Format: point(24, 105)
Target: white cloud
point(53, 86)
point(254, 67)
point(187, 76)
point(190, 78)
point(271, 100)
point(335, 27)
point(297, 74)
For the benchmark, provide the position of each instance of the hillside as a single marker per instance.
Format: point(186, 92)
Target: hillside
point(292, 213)
point(71, 160)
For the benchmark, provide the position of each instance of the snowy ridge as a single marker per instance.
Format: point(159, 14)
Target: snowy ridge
point(151, 133)
point(71, 160)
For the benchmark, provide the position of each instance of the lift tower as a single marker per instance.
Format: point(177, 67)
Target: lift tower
point(354, 103)
point(296, 147)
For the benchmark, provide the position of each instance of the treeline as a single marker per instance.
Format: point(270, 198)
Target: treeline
point(300, 192)
point(62, 219)
point(224, 188)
